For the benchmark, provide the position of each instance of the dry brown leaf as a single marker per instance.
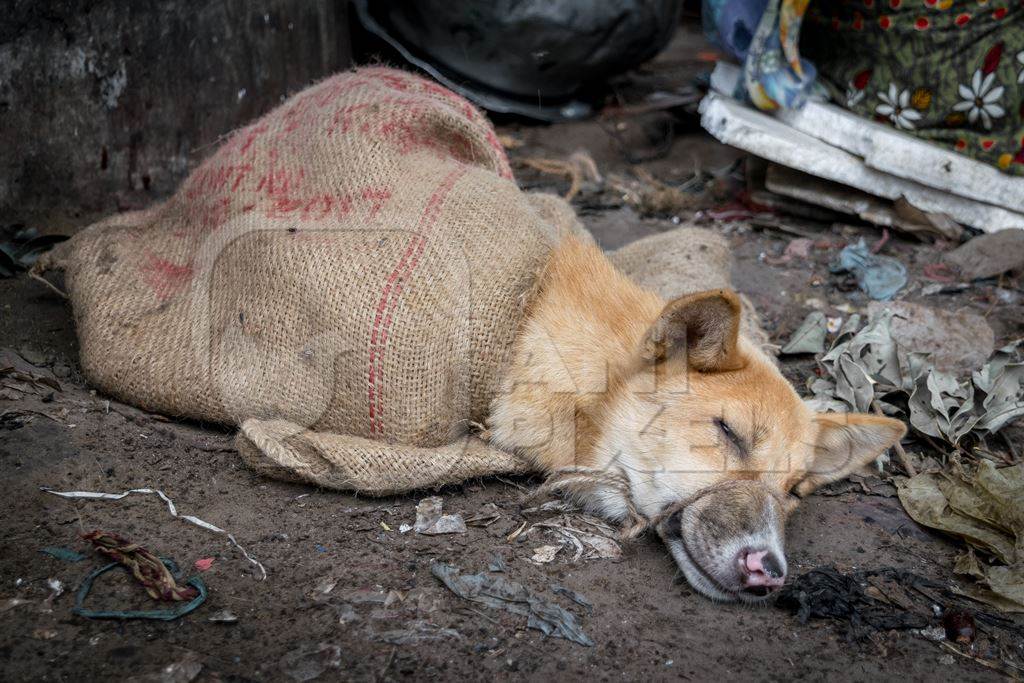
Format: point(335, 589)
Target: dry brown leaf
point(985, 510)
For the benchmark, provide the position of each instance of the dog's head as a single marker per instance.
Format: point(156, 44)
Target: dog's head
point(717, 445)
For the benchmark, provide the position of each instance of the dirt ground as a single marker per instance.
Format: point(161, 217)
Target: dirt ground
point(644, 622)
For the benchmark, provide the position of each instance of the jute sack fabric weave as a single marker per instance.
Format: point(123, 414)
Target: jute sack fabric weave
point(677, 262)
point(343, 279)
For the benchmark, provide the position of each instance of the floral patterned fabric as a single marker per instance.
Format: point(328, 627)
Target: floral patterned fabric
point(764, 35)
point(774, 74)
point(950, 71)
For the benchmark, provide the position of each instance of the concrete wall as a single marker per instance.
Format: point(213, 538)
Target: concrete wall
point(106, 104)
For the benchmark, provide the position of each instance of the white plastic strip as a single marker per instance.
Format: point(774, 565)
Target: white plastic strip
point(95, 495)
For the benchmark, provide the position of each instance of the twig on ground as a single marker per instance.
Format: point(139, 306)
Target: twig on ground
point(481, 614)
point(515, 534)
point(941, 450)
point(511, 483)
point(877, 246)
point(1010, 446)
point(984, 662)
point(578, 166)
point(53, 287)
point(900, 453)
point(387, 663)
point(995, 299)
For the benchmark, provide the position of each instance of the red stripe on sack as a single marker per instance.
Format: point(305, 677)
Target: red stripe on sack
point(390, 293)
point(505, 169)
point(165, 278)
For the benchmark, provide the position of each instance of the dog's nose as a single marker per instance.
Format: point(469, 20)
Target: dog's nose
point(761, 571)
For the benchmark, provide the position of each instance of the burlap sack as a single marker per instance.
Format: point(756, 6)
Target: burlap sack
point(343, 279)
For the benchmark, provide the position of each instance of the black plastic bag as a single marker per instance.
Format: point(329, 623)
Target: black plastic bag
point(539, 58)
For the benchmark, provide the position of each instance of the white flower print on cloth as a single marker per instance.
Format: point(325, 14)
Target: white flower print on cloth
point(853, 96)
point(856, 88)
point(980, 99)
point(896, 106)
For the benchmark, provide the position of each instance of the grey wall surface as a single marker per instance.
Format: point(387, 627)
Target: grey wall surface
point(106, 104)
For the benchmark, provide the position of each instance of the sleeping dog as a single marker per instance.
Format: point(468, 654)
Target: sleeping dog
point(663, 411)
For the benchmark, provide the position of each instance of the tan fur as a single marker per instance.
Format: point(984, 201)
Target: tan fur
point(602, 379)
point(578, 342)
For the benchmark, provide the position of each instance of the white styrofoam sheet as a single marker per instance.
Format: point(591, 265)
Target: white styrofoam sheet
point(741, 126)
point(884, 148)
point(889, 150)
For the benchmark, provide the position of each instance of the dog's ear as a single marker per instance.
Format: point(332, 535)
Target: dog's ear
point(701, 329)
point(846, 442)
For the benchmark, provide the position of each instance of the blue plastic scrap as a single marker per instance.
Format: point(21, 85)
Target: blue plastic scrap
point(159, 614)
point(880, 277)
point(66, 554)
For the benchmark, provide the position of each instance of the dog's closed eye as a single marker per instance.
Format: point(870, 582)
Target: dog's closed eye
point(732, 437)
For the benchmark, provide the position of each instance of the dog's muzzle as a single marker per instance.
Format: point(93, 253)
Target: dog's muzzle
point(727, 539)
